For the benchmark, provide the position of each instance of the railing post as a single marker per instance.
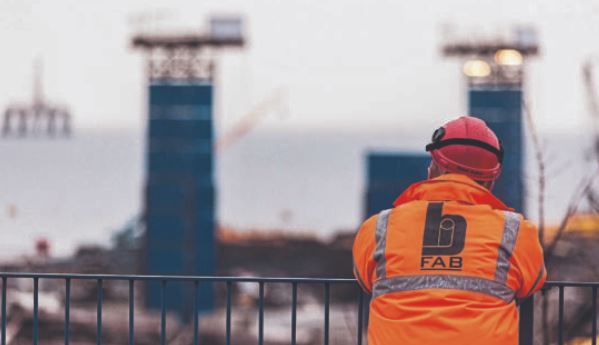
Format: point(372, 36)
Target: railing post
point(526, 327)
point(35, 310)
point(163, 312)
point(99, 300)
point(196, 304)
point(67, 311)
point(293, 313)
point(594, 317)
point(327, 299)
point(360, 328)
point(261, 313)
point(228, 314)
point(4, 281)
point(131, 312)
point(560, 318)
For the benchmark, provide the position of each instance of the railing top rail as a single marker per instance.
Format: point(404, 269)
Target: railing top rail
point(570, 284)
point(174, 277)
point(236, 279)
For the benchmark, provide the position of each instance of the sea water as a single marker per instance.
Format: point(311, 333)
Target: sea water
point(82, 189)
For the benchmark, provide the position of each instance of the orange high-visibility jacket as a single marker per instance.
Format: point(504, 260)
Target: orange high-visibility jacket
point(446, 265)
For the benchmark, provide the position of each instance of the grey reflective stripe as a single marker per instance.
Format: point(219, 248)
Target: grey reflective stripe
point(474, 284)
point(508, 241)
point(381, 243)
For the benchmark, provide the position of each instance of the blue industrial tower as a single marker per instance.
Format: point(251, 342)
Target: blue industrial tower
point(179, 210)
point(494, 69)
point(179, 200)
point(389, 174)
point(501, 109)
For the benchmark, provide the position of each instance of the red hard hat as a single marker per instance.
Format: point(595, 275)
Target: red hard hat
point(467, 146)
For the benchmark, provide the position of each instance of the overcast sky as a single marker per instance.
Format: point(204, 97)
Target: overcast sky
point(343, 63)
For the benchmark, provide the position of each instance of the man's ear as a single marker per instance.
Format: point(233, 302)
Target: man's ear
point(432, 171)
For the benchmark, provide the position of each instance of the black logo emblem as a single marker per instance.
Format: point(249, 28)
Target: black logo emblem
point(443, 235)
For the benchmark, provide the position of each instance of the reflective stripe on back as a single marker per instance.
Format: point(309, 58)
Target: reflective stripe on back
point(508, 242)
point(494, 286)
point(381, 243)
point(474, 284)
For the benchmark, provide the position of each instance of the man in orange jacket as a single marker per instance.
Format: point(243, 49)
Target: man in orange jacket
point(447, 263)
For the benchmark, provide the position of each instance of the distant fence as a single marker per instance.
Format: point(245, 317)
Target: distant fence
point(527, 312)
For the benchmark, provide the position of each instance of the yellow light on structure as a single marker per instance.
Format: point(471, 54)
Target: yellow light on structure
point(508, 57)
point(477, 69)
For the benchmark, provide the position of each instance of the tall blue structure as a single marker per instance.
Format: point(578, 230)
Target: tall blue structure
point(389, 174)
point(501, 109)
point(494, 69)
point(180, 191)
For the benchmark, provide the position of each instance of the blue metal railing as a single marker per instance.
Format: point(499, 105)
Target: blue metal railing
point(527, 311)
point(526, 308)
point(196, 281)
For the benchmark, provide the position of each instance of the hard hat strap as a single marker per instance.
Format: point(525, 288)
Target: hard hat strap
point(469, 142)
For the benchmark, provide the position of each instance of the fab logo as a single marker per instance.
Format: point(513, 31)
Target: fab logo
point(444, 237)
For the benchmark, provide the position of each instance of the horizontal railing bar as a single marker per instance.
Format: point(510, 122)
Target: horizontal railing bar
point(224, 279)
point(80, 276)
point(570, 284)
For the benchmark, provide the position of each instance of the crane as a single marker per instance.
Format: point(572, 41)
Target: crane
point(276, 101)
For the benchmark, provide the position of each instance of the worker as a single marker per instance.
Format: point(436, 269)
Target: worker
point(449, 262)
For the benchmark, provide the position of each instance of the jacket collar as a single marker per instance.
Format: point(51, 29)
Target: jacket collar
point(454, 187)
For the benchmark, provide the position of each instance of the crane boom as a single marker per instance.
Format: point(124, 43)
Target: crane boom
point(250, 120)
